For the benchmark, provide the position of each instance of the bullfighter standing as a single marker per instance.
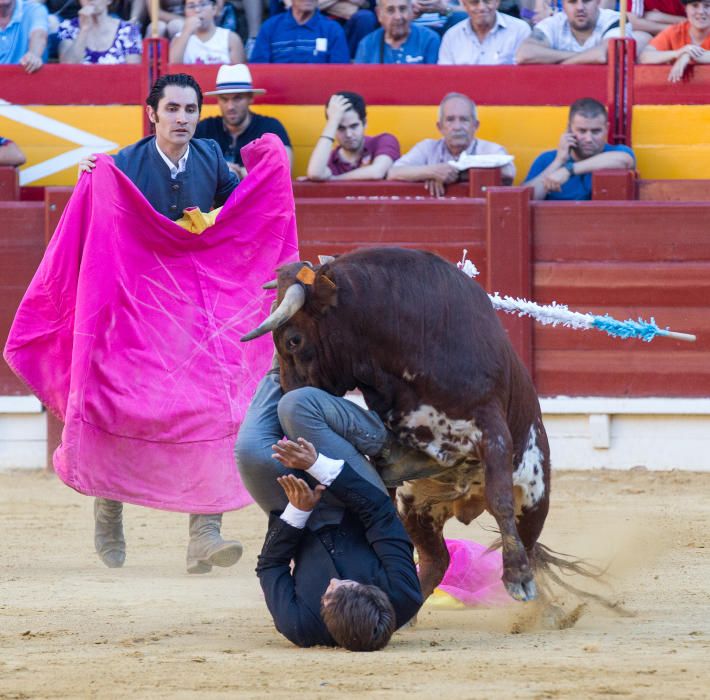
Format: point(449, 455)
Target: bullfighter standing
point(129, 330)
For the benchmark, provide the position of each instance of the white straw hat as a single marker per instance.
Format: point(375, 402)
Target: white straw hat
point(234, 79)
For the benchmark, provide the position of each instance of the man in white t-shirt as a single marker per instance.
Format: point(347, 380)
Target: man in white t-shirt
point(580, 34)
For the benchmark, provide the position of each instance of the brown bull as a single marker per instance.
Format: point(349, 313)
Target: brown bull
point(422, 342)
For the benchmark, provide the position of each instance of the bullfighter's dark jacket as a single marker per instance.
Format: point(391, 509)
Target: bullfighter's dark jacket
point(370, 546)
point(205, 182)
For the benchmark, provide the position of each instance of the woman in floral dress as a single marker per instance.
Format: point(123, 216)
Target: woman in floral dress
point(95, 36)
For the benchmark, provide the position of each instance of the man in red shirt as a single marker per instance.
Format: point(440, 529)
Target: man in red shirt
point(682, 43)
point(356, 157)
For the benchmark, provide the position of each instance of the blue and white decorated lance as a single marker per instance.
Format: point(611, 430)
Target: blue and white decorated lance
point(554, 314)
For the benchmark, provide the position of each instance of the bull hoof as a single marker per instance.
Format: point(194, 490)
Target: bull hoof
point(523, 591)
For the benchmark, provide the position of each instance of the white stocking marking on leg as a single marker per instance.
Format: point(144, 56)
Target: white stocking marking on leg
point(528, 475)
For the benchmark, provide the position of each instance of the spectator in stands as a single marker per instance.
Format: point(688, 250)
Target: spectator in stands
point(356, 156)
point(653, 16)
point(23, 33)
point(301, 35)
point(170, 19)
point(430, 160)
point(173, 171)
point(354, 16)
point(238, 125)
point(437, 15)
point(202, 41)
point(580, 34)
point(567, 172)
point(10, 153)
point(487, 38)
point(684, 43)
point(94, 36)
point(398, 40)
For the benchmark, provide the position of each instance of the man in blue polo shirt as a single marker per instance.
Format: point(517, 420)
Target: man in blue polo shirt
point(398, 40)
point(23, 33)
point(566, 174)
point(301, 35)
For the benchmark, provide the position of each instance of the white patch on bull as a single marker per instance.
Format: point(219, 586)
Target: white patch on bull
point(528, 476)
point(408, 376)
point(446, 440)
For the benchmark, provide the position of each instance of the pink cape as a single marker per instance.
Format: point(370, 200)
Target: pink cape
point(474, 575)
point(129, 332)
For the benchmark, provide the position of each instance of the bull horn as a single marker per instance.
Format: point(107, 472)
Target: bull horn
point(293, 300)
point(323, 259)
point(270, 285)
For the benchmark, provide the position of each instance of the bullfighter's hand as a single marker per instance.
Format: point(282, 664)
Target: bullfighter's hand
point(554, 181)
point(86, 165)
point(300, 495)
point(295, 455)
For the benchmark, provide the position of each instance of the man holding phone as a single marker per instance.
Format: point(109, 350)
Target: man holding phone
point(566, 174)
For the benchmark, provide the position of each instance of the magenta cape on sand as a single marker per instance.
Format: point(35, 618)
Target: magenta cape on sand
point(129, 332)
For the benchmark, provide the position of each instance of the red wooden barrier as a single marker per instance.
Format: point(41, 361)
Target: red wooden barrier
point(329, 227)
point(629, 260)
point(9, 184)
point(21, 249)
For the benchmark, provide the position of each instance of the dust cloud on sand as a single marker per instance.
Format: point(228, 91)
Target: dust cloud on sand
point(71, 628)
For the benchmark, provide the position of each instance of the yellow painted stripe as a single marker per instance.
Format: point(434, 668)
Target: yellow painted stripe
point(670, 141)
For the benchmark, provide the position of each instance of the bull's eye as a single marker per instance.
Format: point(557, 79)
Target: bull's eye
point(293, 343)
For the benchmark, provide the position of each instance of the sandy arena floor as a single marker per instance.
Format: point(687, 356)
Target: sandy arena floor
point(70, 628)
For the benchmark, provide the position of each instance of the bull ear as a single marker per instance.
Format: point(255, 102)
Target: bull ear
point(324, 294)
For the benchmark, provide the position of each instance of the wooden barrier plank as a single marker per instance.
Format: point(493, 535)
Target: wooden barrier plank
point(673, 190)
point(21, 249)
point(604, 284)
point(371, 188)
point(629, 374)
point(621, 231)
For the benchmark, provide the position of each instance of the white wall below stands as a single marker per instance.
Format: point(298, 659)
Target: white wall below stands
point(23, 433)
point(657, 433)
point(585, 433)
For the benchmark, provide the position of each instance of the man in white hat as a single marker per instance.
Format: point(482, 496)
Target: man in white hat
point(238, 125)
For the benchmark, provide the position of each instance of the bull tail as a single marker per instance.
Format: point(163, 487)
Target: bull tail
point(550, 565)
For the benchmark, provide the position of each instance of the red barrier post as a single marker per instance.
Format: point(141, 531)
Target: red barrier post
point(9, 184)
point(613, 184)
point(509, 259)
point(620, 89)
point(155, 62)
point(480, 179)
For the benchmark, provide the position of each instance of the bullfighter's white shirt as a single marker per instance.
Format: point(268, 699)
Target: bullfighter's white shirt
point(175, 170)
point(326, 471)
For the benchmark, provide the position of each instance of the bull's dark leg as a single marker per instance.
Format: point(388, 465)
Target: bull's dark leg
point(424, 523)
point(497, 451)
